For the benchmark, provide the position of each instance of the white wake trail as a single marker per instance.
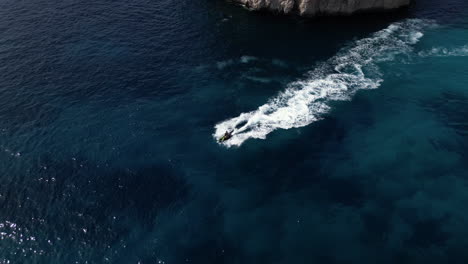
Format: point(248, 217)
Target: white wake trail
point(305, 101)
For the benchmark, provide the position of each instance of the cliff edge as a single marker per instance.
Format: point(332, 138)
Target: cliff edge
point(323, 7)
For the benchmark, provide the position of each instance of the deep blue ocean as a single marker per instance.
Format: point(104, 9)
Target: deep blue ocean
point(350, 136)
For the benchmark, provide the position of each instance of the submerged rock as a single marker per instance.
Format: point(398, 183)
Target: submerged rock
point(323, 7)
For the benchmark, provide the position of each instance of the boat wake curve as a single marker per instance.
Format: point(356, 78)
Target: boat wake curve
point(307, 100)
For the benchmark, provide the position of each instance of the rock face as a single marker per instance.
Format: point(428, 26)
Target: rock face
point(323, 7)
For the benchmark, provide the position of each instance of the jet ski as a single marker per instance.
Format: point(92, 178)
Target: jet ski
point(226, 136)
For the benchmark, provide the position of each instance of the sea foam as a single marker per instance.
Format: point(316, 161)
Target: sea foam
point(445, 52)
point(307, 100)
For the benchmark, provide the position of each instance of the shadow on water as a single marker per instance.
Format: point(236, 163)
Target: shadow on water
point(273, 35)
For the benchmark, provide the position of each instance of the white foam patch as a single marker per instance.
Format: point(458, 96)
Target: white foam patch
point(227, 63)
point(247, 59)
point(223, 64)
point(305, 101)
point(445, 52)
point(415, 37)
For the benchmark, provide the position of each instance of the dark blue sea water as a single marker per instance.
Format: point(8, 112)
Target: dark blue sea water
point(350, 135)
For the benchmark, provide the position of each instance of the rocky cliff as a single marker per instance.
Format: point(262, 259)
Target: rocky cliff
point(323, 7)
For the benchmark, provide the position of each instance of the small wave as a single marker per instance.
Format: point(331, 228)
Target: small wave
point(247, 59)
point(279, 63)
point(223, 64)
point(305, 101)
point(226, 63)
point(257, 79)
point(445, 52)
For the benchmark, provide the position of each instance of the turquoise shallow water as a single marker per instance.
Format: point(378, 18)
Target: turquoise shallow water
point(350, 140)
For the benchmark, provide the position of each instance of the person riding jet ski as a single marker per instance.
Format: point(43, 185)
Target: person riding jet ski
point(226, 136)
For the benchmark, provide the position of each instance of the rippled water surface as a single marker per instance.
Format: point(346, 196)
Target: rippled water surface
point(350, 135)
